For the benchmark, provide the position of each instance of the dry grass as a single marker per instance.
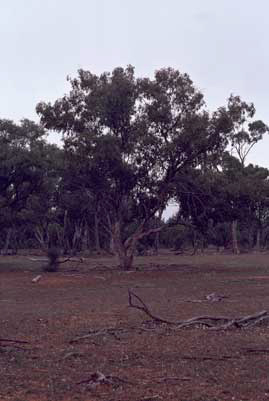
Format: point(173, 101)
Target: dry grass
point(146, 362)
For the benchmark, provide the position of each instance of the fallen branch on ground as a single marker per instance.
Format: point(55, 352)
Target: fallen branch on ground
point(167, 379)
point(72, 259)
point(13, 341)
point(110, 330)
point(256, 350)
point(10, 343)
point(143, 307)
point(211, 322)
point(98, 378)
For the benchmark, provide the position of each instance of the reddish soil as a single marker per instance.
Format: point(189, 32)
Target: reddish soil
point(141, 361)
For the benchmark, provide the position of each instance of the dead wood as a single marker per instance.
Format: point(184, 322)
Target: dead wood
point(98, 378)
point(256, 350)
point(143, 307)
point(36, 279)
point(211, 322)
point(13, 341)
point(166, 379)
point(72, 259)
point(72, 355)
point(107, 331)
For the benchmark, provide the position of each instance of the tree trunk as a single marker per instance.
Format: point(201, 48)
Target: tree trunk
point(250, 238)
point(234, 238)
point(124, 251)
point(84, 238)
point(157, 235)
point(65, 240)
point(126, 261)
point(76, 240)
point(41, 237)
point(96, 233)
point(111, 245)
point(7, 241)
point(258, 240)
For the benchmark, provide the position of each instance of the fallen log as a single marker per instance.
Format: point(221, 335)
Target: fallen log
point(211, 322)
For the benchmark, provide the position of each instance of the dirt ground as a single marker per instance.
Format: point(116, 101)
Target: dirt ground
point(140, 361)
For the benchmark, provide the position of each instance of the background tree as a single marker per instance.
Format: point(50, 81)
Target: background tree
point(246, 131)
point(21, 171)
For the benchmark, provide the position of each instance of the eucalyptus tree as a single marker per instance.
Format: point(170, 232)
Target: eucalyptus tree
point(247, 131)
point(131, 137)
point(21, 169)
point(41, 208)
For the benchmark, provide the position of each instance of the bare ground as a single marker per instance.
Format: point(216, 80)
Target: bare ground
point(139, 360)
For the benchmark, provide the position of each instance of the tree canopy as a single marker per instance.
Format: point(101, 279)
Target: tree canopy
point(130, 145)
point(131, 138)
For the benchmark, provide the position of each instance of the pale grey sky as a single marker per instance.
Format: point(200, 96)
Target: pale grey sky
point(221, 44)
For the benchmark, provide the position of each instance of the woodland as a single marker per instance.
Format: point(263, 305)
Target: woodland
point(130, 147)
point(136, 312)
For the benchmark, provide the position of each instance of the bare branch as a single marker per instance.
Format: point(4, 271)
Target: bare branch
point(13, 341)
point(143, 307)
point(212, 322)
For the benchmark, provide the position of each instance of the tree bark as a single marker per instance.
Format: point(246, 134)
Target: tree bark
point(65, 240)
point(96, 232)
point(157, 237)
point(258, 240)
point(76, 240)
point(84, 238)
point(7, 241)
point(41, 237)
point(234, 237)
point(126, 249)
point(111, 245)
point(125, 253)
point(250, 238)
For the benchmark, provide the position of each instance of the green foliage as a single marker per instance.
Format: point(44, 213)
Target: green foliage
point(131, 145)
point(130, 137)
point(176, 236)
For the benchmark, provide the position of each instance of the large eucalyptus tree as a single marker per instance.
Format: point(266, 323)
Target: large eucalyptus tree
point(130, 138)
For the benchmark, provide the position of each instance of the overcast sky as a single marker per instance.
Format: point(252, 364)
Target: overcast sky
point(221, 44)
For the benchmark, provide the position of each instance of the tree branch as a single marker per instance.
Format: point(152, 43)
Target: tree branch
point(212, 322)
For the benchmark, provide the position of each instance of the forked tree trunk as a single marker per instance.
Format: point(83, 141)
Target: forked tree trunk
point(234, 238)
point(124, 250)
